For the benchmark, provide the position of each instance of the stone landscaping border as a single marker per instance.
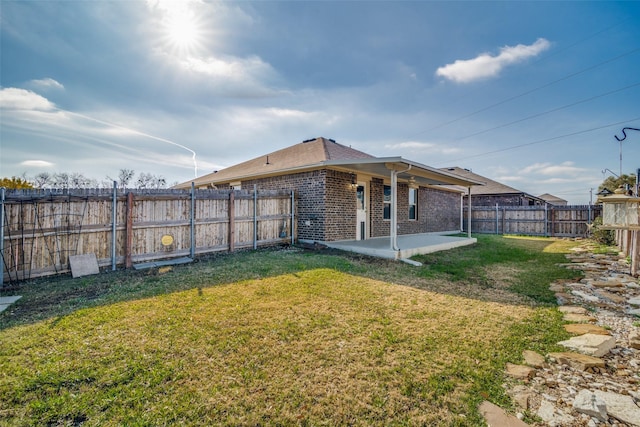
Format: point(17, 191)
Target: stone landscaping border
point(596, 382)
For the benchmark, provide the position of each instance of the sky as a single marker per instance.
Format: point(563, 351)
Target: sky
point(531, 94)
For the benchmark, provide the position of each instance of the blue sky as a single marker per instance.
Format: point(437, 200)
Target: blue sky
point(527, 93)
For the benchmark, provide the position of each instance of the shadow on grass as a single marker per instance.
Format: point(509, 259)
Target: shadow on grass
point(504, 270)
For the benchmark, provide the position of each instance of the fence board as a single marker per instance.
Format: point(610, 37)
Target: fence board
point(557, 221)
point(42, 229)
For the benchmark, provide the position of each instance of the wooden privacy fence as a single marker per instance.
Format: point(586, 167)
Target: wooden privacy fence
point(41, 230)
point(552, 221)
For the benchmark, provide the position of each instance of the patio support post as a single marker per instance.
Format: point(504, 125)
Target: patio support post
point(2, 236)
point(393, 228)
point(393, 232)
point(469, 213)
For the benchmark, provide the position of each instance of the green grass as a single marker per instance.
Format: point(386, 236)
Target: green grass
point(281, 337)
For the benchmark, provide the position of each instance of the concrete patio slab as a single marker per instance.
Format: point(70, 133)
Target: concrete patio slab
point(408, 244)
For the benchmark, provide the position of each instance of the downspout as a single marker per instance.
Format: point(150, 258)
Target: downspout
point(394, 208)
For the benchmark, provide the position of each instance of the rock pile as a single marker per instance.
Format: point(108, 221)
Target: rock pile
point(596, 381)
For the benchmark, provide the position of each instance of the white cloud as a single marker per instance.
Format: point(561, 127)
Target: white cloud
point(12, 98)
point(46, 83)
point(565, 168)
point(37, 163)
point(416, 146)
point(485, 65)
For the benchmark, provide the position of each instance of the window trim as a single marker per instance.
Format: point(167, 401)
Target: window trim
point(386, 203)
point(414, 204)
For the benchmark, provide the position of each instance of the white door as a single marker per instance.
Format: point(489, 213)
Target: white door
point(361, 211)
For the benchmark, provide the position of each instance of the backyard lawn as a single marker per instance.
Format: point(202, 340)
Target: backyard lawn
point(281, 337)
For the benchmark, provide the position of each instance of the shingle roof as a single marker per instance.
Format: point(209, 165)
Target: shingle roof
point(309, 152)
point(550, 198)
point(490, 187)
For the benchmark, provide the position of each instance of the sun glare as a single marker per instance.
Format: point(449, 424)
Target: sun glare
point(182, 29)
point(182, 32)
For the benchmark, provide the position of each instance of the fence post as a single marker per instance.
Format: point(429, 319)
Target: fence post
point(293, 214)
point(114, 213)
point(129, 240)
point(2, 236)
point(497, 215)
point(546, 220)
point(255, 216)
point(192, 221)
point(232, 222)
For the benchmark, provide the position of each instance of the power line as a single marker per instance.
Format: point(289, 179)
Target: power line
point(549, 111)
point(504, 101)
point(544, 140)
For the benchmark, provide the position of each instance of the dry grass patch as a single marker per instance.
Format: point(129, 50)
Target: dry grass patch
point(319, 347)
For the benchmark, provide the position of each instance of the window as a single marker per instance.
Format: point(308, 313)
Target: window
point(386, 214)
point(413, 203)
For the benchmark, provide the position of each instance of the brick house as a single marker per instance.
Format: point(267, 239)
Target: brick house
point(494, 192)
point(346, 194)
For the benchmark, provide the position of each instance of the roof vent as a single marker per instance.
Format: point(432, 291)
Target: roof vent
point(308, 140)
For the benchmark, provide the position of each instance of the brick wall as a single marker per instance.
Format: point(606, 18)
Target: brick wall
point(379, 227)
point(442, 210)
point(437, 210)
point(326, 203)
point(326, 206)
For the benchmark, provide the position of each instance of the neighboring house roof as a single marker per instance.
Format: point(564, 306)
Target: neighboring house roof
point(490, 186)
point(321, 153)
point(551, 199)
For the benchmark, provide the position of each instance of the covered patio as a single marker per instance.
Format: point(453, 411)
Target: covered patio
point(408, 245)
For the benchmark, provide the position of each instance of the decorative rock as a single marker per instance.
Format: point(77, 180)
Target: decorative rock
point(634, 312)
point(591, 344)
point(552, 416)
point(585, 328)
point(588, 403)
point(556, 287)
point(533, 359)
point(577, 360)
point(585, 296)
point(634, 339)
point(618, 299)
point(574, 309)
point(620, 407)
point(497, 417)
point(634, 301)
point(520, 371)
point(607, 284)
point(570, 317)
